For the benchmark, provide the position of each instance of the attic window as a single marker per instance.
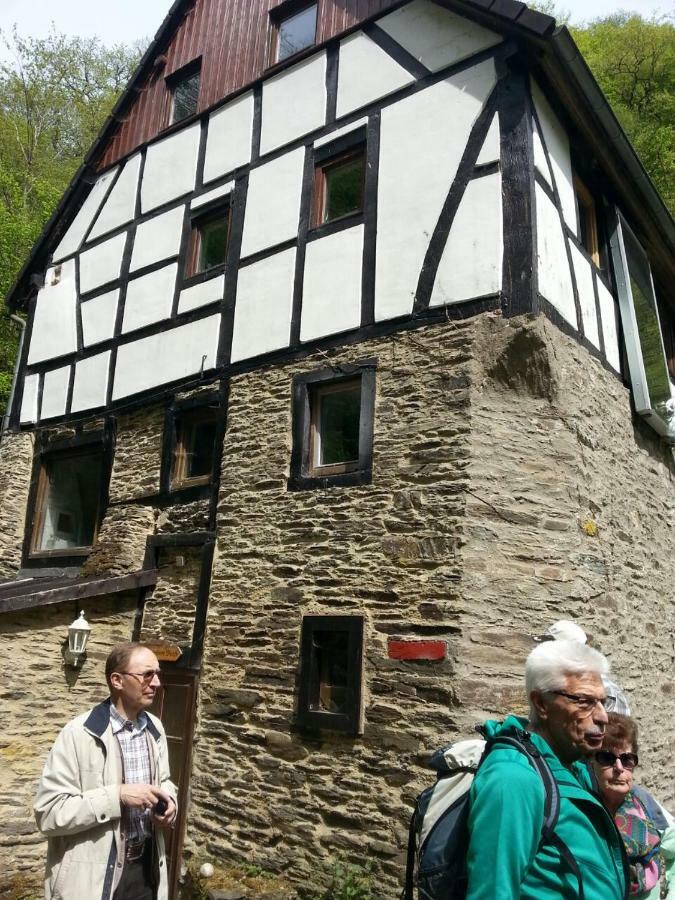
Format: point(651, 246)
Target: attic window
point(294, 29)
point(588, 220)
point(184, 88)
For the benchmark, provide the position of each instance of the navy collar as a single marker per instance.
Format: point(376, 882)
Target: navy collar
point(98, 720)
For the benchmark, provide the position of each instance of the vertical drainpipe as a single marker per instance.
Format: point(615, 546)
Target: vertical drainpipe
point(8, 412)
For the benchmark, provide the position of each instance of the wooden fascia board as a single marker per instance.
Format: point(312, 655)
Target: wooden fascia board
point(80, 590)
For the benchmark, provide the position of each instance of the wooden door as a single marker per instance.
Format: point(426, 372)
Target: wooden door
point(175, 704)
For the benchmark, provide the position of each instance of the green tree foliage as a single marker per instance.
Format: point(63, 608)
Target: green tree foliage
point(55, 94)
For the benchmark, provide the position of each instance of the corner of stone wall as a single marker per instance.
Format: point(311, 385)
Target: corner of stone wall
point(16, 463)
point(121, 541)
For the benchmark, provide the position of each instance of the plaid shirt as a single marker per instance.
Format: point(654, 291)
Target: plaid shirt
point(136, 770)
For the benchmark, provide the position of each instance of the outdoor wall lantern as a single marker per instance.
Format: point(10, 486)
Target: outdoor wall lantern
point(78, 636)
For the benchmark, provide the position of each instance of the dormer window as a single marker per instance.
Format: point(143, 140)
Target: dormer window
point(184, 88)
point(295, 29)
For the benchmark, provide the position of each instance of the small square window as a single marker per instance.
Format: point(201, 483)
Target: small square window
point(184, 87)
point(68, 502)
point(295, 30)
point(209, 240)
point(331, 659)
point(333, 428)
point(194, 448)
point(588, 220)
point(339, 186)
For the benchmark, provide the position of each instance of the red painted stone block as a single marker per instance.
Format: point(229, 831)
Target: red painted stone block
point(418, 649)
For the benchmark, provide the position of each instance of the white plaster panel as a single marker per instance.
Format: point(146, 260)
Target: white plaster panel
point(228, 142)
point(558, 146)
point(98, 318)
point(471, 264)
point(73, 238)
point(340, 132)
point(158, 238)
point(293, 103)
point(436, 37)
point(540, 163)
point(584, 278)
point(170, 168)
point(262, 315)
point(91, 382)
point(555, 278)
point(149, 298)
point(55, 393)
point(215, 194)
point(166, 357)
point(29, 399)
point(273, 203)
point(417, 168)
point(55, 320)
point(120, 207)
point(331, 299)
point(366, 73)
point(608, 315)
point(201, 294)
point(490, 151)
point(102, 263)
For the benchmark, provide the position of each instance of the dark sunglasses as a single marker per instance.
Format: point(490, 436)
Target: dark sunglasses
point(606, 759)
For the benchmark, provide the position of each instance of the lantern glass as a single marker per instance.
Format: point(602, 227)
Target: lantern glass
point(78, 635)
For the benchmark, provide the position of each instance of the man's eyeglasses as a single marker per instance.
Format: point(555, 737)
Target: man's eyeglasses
point(584, 702)
point(147, 676)
point(606, 759)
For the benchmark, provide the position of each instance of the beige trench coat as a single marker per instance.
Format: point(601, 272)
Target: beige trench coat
point(77, 806)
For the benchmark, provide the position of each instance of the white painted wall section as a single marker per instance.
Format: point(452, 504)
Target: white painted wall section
point(166, 357)
point(223, 191)
point(471, 264)
point(158, 238)
point(201, 294)
point(273, 203)
point(54, 324)
point(262, 315)
point(340, 132)
point(610, 332)
point(73, 238)
point(149, 298)
point(491, 150)
point(120, 207)
point(170, 168)
point(417, 168)
point(436, 37)
point(555, 279)
point(366, 73)
point(293, 103)
point(91, 382)
point(55, 393)
point(102, 264)
point(29, 400)
point(558, 146)
point(540, 163)
point(331, 300)
point(584, 278)
point(229, 138)
point(98, 318)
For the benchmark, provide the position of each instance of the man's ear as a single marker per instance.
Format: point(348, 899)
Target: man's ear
point(116, 681)
point(538, 702)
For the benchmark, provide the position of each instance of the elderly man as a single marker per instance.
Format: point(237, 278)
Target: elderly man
point(105, 792)
point(507, 860)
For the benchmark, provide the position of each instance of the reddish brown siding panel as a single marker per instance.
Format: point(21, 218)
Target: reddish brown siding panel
point(231, 37)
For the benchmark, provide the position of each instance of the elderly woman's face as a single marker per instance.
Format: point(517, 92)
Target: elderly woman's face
point(614, 774)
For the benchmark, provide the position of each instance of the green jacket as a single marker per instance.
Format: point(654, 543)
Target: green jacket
point(505, 861)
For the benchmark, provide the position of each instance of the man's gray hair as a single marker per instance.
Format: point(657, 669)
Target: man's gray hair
point(549, 664)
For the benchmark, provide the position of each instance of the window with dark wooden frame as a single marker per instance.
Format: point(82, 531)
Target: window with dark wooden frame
point(209, 238)
point(589, 234)
point(331, 673)
point(194, 447)
point(183, 86)
point(339, 184)
point(67, 502)
point(293, 29)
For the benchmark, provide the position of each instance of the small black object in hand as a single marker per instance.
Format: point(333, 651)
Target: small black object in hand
point(160, 807)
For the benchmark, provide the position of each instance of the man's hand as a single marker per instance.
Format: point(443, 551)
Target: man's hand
point(168, 816)
point(140, 796)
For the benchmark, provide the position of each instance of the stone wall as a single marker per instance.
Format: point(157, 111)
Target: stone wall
point(38, 695)
point(16, 465)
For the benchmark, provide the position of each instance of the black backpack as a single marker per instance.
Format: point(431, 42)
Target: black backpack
point(439, 834)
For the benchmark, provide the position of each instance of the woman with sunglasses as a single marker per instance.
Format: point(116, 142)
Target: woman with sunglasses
point(613, 767)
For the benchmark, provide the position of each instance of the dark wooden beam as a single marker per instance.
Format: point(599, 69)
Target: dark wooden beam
point(80, 589)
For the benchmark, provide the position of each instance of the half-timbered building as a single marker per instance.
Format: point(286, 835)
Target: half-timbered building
point(348, 366)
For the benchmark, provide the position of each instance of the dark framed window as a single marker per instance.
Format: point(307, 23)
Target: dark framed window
point(293, 29)
point(339, 184)
point(333, 427)
point(209, 239)
point(587, 215)
point(194, 447)
point(331, 673)
point(183, 86)
point(68, 501)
